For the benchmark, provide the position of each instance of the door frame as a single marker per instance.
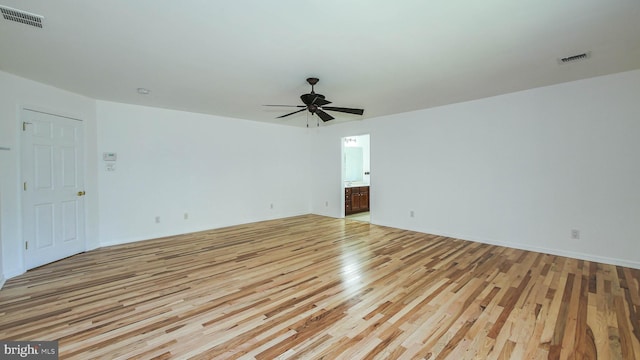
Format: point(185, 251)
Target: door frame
point(20, 180)
point(343, 172)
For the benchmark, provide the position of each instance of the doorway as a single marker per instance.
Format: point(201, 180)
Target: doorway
point(356, 178)
point(52, 163)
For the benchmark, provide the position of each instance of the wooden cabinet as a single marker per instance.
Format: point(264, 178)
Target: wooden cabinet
point(356, 199)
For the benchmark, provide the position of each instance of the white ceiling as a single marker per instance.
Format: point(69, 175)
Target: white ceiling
point(229, 58)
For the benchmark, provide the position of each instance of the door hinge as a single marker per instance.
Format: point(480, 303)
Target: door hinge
point(26, 245)
point(24, 186)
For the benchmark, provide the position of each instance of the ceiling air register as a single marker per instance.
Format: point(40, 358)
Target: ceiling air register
point(21, 16)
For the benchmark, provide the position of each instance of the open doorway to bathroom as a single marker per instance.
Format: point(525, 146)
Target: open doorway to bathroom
point(356, 178)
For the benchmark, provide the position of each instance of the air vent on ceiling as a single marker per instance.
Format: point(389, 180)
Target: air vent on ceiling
point(21, 16)
point(575, 58)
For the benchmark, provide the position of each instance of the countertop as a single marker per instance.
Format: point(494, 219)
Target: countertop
point(355, 184)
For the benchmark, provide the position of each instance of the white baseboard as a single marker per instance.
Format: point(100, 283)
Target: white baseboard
point(151, 236)
point(550, 251)
point(13, 273)
point(569, 254)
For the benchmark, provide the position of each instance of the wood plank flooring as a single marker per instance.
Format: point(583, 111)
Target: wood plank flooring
point(312, 287)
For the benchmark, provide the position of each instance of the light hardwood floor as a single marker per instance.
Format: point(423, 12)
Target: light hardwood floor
point(365, 216)
point(312, 287)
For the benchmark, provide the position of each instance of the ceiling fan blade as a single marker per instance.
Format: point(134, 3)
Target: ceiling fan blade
point(295, 112)
point(344, 110)
point(322, 102)
point(324, 116)
point(300, 106)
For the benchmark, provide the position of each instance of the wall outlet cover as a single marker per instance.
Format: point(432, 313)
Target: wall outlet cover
point(575, 234)
point(109, 156)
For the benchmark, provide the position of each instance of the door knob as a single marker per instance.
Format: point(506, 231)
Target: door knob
point(81, 193)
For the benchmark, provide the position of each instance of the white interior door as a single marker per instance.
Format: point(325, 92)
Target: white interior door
point(53, 188)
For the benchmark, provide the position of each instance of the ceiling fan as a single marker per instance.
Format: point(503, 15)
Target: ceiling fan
point(316, 104)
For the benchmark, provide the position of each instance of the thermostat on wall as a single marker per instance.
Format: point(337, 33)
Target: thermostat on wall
point(109, 156)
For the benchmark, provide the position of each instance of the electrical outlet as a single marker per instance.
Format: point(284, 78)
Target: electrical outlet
point(186, 216)
point(271, 206)
point(157, 219)
point(326, 204)
point(575, 234)
point(411, 213)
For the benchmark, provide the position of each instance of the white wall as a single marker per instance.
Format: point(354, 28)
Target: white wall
point(521, 170)
point(220, 171)
point(15, 94)
point(2, 278)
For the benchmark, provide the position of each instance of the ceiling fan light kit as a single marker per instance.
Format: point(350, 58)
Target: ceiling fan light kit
point(316, 104)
